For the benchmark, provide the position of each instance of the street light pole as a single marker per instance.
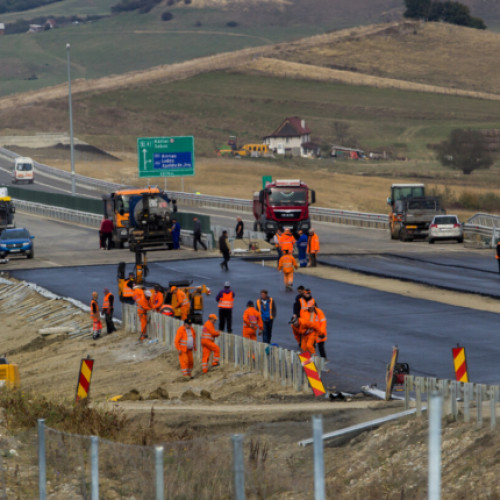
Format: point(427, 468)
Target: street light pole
point(72, 149)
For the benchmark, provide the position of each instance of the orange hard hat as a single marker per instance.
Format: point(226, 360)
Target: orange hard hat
point(212, 316)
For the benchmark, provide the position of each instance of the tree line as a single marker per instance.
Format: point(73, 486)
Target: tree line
point(447, 12)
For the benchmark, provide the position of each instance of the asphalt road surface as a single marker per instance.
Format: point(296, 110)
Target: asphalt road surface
point(363, 324)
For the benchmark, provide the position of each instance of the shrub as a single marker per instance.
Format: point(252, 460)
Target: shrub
point(232, 24)
point(166, 16)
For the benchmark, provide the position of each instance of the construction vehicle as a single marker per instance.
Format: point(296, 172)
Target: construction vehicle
point(116, 208)
point(283, 204)
point(141, 271)
point(7, 209)
point(9, 374)
point(411, 211)
point(149, 222)
point(247, 150)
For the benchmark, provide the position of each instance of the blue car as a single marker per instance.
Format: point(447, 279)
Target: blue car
point(16, 241)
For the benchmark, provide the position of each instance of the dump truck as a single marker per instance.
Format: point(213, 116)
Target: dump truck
point(411, 211)
point(7, 209)
point(283, 204)
point(116, 208)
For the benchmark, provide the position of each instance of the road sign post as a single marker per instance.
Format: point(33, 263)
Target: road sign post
point(165, 156)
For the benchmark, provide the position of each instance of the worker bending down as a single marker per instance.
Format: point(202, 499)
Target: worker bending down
point(180, 303)
point(95, 315)
point(252, 322)
point(305, 333)
point(208, 344)
point(287, 264)
point(143, 307)
point(185, 343)
point(157, 298)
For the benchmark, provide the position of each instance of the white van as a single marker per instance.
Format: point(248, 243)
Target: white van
point(24, 170)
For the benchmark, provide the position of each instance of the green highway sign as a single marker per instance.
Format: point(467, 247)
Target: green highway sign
point(165, 156)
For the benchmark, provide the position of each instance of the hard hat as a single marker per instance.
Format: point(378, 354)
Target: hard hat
point(227, 284)
point(173, 288)
point(212, 316)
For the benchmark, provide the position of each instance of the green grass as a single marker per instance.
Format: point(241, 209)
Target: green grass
point(213, 106)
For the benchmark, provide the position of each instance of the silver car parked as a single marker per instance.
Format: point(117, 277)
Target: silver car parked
point(446, 227)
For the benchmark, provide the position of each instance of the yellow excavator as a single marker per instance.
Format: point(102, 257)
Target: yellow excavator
point(194, 292)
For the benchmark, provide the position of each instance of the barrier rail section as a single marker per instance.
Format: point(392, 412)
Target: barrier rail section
point(274, 363)
point(466, 395)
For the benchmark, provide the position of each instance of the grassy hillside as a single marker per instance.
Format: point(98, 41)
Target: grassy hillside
point(133, 41)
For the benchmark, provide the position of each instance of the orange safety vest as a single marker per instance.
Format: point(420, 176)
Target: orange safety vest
point(252, 319)
point(141, 300)
point(306, 304)
point(128, 291)
point(287, 262)
point(181, 339)
point(313, 244)
point(270, 300)
point(286, 242)
point(106, 302)
point(320, 322)
point(209, 332)
point(227, 300)
point(94, 310)
point(156, 300)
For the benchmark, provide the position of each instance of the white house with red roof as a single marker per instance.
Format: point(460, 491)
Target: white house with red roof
point(292, 137)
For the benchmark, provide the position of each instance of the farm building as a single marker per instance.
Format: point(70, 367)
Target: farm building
point(291, 138)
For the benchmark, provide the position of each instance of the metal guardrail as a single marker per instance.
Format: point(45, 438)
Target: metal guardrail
point(104, 186)
point(274, 363)
point(467, 395)
point(316, 213)
point(482, 230)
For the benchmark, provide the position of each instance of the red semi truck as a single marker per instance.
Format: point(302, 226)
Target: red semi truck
point(283, 203)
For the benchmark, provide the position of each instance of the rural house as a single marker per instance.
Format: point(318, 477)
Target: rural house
point(292, 138)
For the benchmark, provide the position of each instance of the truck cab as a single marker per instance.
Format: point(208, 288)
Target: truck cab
point(7, 209)
point(400, 193)
point(283, 203)
point(24, 170)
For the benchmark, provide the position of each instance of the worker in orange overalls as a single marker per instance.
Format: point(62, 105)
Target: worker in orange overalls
point(312, 247)
point(287, 264)
point(287, 241)
point(166, 310)
point(157, 298)
point(305, 333)
point(127, 295)
point(185, 343)
point(252, 322)
point(320, 322)
point(142, 310)
point(95, 315)
point(180, 303)
point(306, 301)
point(208, 344)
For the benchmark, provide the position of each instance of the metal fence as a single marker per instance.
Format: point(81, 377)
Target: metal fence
point(274, 363)
point(459, 397)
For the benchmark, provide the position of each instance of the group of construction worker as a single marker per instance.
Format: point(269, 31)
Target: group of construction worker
point(180, 304)
point(107, 308)
point(308, 249)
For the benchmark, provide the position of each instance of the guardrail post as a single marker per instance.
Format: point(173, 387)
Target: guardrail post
point(94, 466)
point(493, 410)
point(239, 467)
point(479, 403)
point(435, 410)
point(42, 470)
point(159, 472)
point(467, 397)
point(319, 465)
